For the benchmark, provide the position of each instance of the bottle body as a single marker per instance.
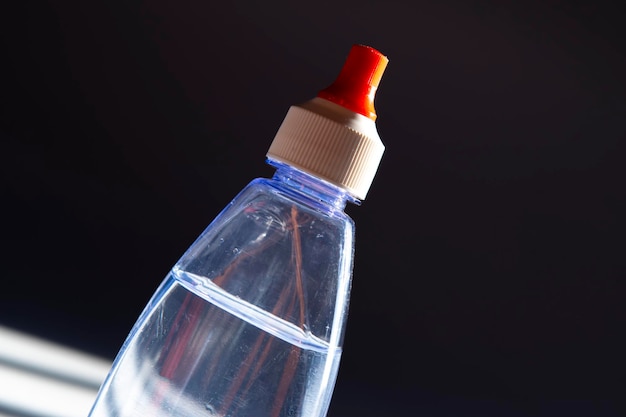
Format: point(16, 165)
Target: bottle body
point(250, 321)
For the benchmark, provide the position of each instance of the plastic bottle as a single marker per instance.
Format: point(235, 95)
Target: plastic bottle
point(250, 320)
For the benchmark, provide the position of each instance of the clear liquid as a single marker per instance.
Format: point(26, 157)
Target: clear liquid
point(199, 351)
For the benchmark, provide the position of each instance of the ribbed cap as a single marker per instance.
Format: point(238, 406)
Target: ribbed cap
point(334, 136)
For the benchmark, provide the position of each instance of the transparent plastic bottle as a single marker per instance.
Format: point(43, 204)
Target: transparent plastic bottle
point(250, 320)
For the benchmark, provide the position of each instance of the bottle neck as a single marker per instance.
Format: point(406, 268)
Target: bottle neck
point(318, 191)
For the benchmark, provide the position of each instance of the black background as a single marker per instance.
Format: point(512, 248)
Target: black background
point(489, 265)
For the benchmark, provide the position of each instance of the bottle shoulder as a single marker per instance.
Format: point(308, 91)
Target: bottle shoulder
point(276, 193)
point(268, 246)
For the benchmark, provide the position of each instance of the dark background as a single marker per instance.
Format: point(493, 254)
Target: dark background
point(489, 266)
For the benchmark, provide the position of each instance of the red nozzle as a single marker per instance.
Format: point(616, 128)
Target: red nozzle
point(356, 84)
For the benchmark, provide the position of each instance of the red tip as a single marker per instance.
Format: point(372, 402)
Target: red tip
point(356, 84)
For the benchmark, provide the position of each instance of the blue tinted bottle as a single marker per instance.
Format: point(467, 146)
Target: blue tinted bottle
point(250, 321)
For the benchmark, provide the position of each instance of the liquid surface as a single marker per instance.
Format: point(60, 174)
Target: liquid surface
point(262, 319)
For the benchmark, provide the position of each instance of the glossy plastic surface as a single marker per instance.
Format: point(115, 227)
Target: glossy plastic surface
point(250, 321)
point(356, 84)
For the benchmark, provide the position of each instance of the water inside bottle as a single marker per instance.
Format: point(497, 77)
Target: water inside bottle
point(204, 352)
